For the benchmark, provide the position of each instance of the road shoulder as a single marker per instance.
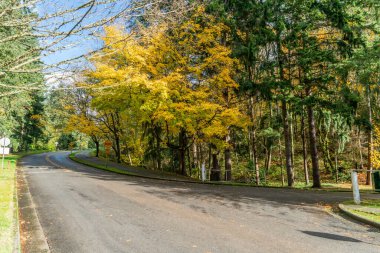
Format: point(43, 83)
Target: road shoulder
point(32, 236)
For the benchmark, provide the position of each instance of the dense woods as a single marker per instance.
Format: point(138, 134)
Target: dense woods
point(20, 108)
point(265, 92)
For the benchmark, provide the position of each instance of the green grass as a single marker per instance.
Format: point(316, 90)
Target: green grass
point(98, 166)
point(369, 204)
point(371, 216)
point(298, 185)
point(119, 171)
point(372, 203)
point(8, 204)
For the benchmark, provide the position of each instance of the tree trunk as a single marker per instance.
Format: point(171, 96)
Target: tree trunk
point(292, 138)
point(182, 162)
point(253, 142)
point(215, 174)
point(360, 149)
point(174, 159)
point(130, 159)
point(189, 162)
point(255, 160)
point(158, 148)
point(370, 138)
point(115, 129)
point(250, 146)
point(304, 149)
point(200, 159)
point(118, 150)
point(336, 166)
point(313, 145)
point(328, 161)
point(227, 160)
point(281, 162)
point(97, 144)
point(209, 158)
point(182, 152)
point(268, 159)
point(195, 164)
point(268, 163)
point(288, 145)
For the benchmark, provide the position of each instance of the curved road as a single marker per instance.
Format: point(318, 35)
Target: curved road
point(86, 210)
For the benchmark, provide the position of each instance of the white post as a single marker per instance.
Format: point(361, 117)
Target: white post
point(203, 172)
point(355, 187)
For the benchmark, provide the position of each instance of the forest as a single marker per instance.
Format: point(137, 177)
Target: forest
point(276, 92)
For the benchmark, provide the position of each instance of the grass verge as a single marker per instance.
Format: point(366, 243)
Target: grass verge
point(8, 202)
point(299, 185)
point(368, 209)
point(101, 167)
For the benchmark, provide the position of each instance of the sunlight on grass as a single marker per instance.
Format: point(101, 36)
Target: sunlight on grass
point(8, 205)
point(372, 203)
point(368, 208)
point(371, 216)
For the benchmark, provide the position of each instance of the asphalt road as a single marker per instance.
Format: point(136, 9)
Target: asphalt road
point(86, 210)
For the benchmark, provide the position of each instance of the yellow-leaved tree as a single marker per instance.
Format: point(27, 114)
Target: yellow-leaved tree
point(192, 68)
point(172, 82)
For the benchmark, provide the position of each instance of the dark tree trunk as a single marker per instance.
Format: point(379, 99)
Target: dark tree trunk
point(189, 161)
point(97, 148)
point(182, 162)
point(215, 174)
point(288, 145)
point(209, 157)
point(292, 139)
point(313, 145)
point(174, 159)
point(158, 148)
point(182, 152)
point(304, 149)
point(336, 167)
point(112, 122)
point(285, 116)
point(118, 150)
point(281, 162)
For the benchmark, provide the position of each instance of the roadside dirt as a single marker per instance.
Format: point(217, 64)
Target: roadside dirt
point(32, 237)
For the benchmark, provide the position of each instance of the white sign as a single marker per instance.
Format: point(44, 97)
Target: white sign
point(4, 151)
point(5, 142)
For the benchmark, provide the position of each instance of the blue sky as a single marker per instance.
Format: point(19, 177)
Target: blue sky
point(74, 45)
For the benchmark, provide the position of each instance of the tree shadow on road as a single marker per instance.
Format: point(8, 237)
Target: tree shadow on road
point(252, 199)
point(234, 194)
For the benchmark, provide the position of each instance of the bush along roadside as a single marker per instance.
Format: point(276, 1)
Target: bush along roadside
point(9, 230)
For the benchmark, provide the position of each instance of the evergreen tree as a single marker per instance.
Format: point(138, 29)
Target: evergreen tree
point(20, 108)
